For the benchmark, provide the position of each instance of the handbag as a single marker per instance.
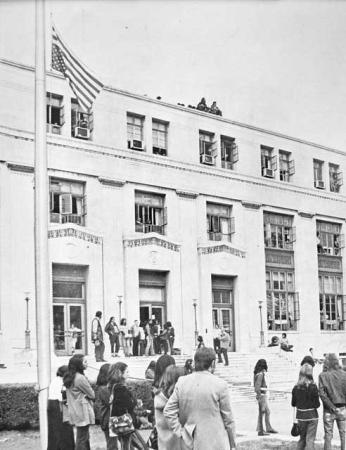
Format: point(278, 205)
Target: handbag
point(119, 425)
point(295, 430)
point(152, 440)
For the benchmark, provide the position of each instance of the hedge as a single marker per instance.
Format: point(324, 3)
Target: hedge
point(19, 403)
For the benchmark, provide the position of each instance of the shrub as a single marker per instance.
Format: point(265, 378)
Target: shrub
point(18, 406)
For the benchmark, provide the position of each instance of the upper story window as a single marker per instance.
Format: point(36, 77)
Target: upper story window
point(220, 224)
point(82, 123)
point(268, 161)
point(135, 125)
point(278, 231)
point(335, 178)
point(318, 174)
point(207, 148)
point(229, 152)
point(55, 113)
point(160, 137)
point(329, 238)
point(67, 201)
point(150, 212)
point(286, 165)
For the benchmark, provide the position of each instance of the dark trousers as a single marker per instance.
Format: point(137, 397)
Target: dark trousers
point(217, 349)
point(157, 345)
point(141, 347)
point(135, 342)
point(115, 344)
point(83, 438)
point(99, 351)
point(308, 430)
point(60, 434)
point(223, 351)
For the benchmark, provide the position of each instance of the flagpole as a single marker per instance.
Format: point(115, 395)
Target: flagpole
point(42, 289)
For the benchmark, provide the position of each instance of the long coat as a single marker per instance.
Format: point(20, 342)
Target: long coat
point(167, 440)
point(79, 402)
point(199, 412)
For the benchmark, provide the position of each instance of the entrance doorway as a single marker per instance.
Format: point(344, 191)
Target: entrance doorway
point(223, 313)
point(152, 296)
point(69, 309)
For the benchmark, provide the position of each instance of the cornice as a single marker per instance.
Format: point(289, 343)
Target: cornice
point(74, 232)
point(169, 163)
point(306, 215)
point(20, 168)
point(111, 182)
point(150, 240)
point(186, 194)
point(251, 205)
point(220, 248)
point(186, 110)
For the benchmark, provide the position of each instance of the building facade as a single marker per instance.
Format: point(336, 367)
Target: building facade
point(158, 210)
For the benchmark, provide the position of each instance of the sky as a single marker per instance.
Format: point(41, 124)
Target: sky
point(276, 64)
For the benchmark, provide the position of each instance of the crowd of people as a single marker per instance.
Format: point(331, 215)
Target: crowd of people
point(190, 405)
point(140, 339)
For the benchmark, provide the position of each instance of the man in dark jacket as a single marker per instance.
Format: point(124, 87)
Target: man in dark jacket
point(332, 390)
point(97, 337)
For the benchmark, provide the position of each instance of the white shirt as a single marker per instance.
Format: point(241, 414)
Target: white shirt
point(54, 392)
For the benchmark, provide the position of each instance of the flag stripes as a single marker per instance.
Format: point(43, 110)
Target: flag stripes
point(84, 85)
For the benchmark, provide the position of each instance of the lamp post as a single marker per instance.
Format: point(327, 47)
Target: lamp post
point(27, 330)
point(195, 315)
point(120, 300)
point(260, 302)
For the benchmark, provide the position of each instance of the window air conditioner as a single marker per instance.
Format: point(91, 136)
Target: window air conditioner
point(267, 172)
point(136, 144)
point(319, 184)
point(81, 133)
point(159, 151)
point(207, 159)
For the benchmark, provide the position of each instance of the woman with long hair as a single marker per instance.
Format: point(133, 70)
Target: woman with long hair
point(161, 364)
point(102, 399)
point(122, 402)
point(125, 337)
point(261, 388)
point(113, 332)
point(305, 398)
point(60, 431)
point(80, 396)
point(167, 440)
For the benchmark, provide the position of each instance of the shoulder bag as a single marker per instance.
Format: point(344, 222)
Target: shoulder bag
point(119, 425)
point(295, 431)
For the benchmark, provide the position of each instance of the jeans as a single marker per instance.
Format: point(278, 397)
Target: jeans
point(308, 430)
point(223, 351)
point(149, 349)
point(328, 422)
point(82, 438)
point(135, 342)
point(114, 341)
point(99, 351)
point(263, 410)
point(217, 349)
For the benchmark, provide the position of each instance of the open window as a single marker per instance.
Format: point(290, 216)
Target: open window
point(286, 166)
point(220, 224)
point(268, 162)
point(55, 113)
point(335, 178)
point(150, 213)
point(229, 152)
point(67, 201)
point(318, 174)
point(207, 148)
point(82, 122)
point(135, 125)
point(160, 137)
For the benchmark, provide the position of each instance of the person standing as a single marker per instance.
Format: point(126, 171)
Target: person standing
point(216, 342)
point(141, 342)
point(97, 337)
point(167, 440)
point(332, 390)
point(305, 399)
point(149, 349)
point(125, 337)
point(80, 396)
point(135, 337)
point(60, 431)
point(225, 340)
point(113, 332)
point(261, 389)
point(199, 410)
point(171, 337)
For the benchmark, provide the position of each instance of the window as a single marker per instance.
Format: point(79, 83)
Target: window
point(335, 178)
point(82, 123)
point(282, 301)
point(278, 231)
point(150, 213)
point(160, 134)
point(229, 152)
point(318, 174)
point(135, 132)
point(332, 302)
point(329, 238)
point(55, 113)
point(268, 162)
point(220, 225)
point(67, 201)
point(207, 148)
point(286, 165)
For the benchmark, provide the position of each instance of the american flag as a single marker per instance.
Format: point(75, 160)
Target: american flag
point(84, 85)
